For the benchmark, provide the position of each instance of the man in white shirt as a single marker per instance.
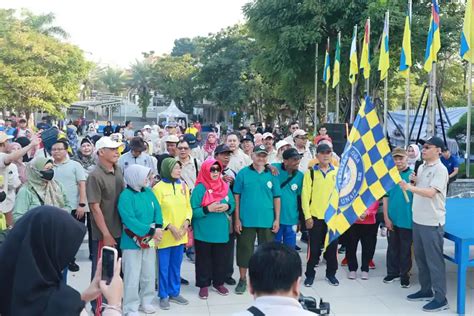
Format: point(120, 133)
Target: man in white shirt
point(294, 126)
point(300, 138)
point(238, 159)
point(275, 294)
point(268, 140)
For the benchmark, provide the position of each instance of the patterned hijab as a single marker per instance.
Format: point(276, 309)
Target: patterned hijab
point(49, 191)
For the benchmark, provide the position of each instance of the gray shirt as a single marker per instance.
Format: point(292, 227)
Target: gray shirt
point(144, 159)
point(431, 211)
point(69, 173)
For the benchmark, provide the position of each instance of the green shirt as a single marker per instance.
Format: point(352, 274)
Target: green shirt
point(399, 211)
point(69, 173)
point(257, 192)
point(210, 227)
point(289, 195)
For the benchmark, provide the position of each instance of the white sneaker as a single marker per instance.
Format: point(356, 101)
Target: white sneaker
point(352, 275)
point(383, 231)
point(364, 275)
point(148, 309)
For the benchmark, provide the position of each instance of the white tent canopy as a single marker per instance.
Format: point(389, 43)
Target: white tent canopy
point(172, 113)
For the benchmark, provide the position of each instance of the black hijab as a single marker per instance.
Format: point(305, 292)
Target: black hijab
point(32, 258)
point(24, 141)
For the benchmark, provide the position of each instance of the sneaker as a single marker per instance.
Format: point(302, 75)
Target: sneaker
point(184, 281)
point(297, 248)
point(180, 300)
point(230, 281)
point(341, 250)
point(435, 306)
point(133, 314)
point(308, 282)
point(364, 275)
point(204, 293)
point(390, 278)
point(383, 231)
point(221, 290)
point(405, 283)
point(165, 303)
point(241, 287)
point(344, 262)
point(332, 280)
point(420, 296)
point(371, 265)
point(352, 275)
point(148, 309)
point(73, 267)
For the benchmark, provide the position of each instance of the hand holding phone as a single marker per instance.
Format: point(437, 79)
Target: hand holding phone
point(109, 260)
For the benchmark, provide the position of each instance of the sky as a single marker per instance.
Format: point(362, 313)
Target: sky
point(116, 32)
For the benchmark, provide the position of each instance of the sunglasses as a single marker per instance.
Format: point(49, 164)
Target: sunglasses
point(215, 169)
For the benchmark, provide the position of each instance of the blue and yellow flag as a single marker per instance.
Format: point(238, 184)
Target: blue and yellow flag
point(365, 56)
point(384, 61)
point(337, 63)
point(353, 66)
point(366, 172)
point(327, 66)
point(405, 56)
point(467, 35)
point(433, 43)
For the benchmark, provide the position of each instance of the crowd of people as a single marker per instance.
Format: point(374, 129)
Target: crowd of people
point(159, 194)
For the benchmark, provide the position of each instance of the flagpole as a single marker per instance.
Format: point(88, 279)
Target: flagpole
point(469, 106)
point(385, 90)
point(337, 87)
point(367, 81)
point(352, 116)
point(326, 115)
point(315, 88)
point(432, 109)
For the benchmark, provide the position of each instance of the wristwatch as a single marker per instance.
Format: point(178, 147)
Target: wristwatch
point(82, 204)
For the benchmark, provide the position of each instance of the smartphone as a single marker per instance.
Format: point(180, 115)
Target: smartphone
point(109, 259)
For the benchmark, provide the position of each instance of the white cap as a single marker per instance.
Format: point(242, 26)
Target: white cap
point(281, 143)
point(299, 132)
point(147, 127)
point(172, 139)
point(107, 142)
point(266, 135)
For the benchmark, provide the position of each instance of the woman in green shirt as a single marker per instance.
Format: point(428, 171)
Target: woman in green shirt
point(212, 204)
point(40, 189)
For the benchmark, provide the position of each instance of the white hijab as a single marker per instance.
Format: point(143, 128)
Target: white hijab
point(135, 176)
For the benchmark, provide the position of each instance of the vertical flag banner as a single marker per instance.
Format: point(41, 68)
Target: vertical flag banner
point(327, 66)
point(337, 65)
point(354, 67)
point(405, 57)
point(367, 171)
point(467, 35)
point(365, 57)
point(433, 43)
point(384, 61)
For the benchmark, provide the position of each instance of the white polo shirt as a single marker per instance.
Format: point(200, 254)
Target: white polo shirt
point(277, 306)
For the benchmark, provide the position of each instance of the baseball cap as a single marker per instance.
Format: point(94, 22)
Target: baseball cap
point(299, 132)
point(247, 137)
point(291, 153)
point(172, 139)
point(137, 144)
point(435, 141)
point(4, 137)
point(322, 148)
point(107, 142)
point(147, 127)
point(399, 152)
point(260, 150)
point(267, 135)
point(223, 148)
point(191, 140)
point(281, 143)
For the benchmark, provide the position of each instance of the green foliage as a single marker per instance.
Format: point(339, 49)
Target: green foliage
point(459, 129)
point(114, 80)
point(140, 78)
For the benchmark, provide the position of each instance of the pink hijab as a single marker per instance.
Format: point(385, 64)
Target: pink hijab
point(216, 190)
point(208, 146)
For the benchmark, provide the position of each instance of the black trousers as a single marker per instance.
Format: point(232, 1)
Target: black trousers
point(230, 248)
point(83, 221)
point(211, 259)
point(317, 235)
point(399, 260)
point(367, 235)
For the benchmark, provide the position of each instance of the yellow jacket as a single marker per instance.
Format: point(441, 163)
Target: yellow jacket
point(176, 208)
point(318, 191)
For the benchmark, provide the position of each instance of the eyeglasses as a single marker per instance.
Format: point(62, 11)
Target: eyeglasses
point(183, 148)
point(215, 169)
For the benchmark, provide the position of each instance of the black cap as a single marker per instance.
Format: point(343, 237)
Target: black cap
point(86, 140)
point(260, 150)
point(137, 144)
point(247, 137)
point(436, 141)
point(323, 148)
point(223, 148)
point(191, 140)
point(291, 153)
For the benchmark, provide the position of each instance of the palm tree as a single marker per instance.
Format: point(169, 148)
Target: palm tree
point(43, 24)
point(114, 80)
point(140, 81)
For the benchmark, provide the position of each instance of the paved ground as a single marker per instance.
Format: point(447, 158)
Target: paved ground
point(352, 297)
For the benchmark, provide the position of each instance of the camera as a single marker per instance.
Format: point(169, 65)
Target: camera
point(310, 304)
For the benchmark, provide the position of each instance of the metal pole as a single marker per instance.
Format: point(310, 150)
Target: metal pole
point(407, 111)
point(367, 81)
point(352, 103)
point(432, 117)
point(315, 88)
point(327, 104)
point(337, 87)
point(469, 105)
point(385, 91)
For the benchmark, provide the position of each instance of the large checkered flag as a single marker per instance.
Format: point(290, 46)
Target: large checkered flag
point(366, 173)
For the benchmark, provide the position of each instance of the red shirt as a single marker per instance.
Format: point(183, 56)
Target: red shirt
point(371, 212)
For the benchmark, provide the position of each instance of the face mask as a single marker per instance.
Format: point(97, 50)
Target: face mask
point(47, 175)
point(3, 196)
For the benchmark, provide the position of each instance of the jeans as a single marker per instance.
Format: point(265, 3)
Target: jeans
point(287, 235)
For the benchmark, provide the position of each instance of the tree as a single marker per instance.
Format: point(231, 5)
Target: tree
point(140, 79)
point(114, 80)
point(42, 24)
